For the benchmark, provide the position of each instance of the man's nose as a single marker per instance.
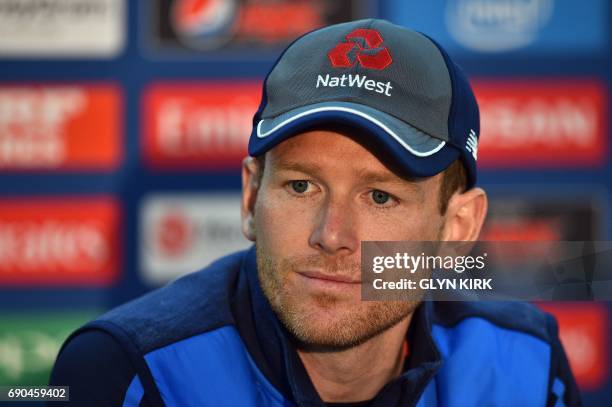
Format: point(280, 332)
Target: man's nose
point(335, 229)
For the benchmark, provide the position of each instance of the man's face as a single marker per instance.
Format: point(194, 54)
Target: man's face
point(320, 195)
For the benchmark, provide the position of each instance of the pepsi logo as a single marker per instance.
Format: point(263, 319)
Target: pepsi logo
point(204, 24)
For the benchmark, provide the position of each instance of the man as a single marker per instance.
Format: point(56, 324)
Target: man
point(366, 131)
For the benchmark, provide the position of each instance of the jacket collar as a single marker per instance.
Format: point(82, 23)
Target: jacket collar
point(280, 362)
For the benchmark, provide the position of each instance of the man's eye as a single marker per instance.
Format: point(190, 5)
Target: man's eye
point(299, 186)
point(380, 197)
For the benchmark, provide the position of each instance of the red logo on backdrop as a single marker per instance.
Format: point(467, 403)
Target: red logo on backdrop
point(60, 126)
point(211, 24)
point(372, 56)
point(284, 20)
point(541, 123)
point(583, 329)
point(59, 242)
point(520, 230)
point(198, 125)
point(174, 234)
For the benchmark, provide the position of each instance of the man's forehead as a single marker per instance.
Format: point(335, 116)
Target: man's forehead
point(320, 150)
point(322, 146)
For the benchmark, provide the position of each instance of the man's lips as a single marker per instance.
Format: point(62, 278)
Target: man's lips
point(332, 278)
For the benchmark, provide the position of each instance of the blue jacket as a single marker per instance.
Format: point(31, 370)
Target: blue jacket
point(211, 339)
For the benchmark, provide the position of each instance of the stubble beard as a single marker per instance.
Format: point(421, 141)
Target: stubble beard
point(345, 324)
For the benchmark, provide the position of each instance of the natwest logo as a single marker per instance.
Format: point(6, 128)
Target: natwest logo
point(541, 123)
point(198, 125)
point(350, 80)
point(60, 127)
point(366, 44)
point(48, 241)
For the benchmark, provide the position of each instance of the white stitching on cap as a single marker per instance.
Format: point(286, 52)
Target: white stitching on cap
point(357, 113)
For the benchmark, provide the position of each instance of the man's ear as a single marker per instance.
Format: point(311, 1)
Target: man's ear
point(250, 187)
point(465, 215)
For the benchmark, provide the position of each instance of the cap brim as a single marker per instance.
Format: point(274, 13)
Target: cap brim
point(416, 152)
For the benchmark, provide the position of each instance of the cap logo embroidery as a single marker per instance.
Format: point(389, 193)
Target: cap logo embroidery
point(369, 51)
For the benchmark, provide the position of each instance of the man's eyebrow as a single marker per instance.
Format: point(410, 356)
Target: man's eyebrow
point(406, 183)
point(309, 168)
point(369, 176)
point(364, 174)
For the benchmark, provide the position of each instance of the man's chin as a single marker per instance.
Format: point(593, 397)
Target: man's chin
point(325, 316)
point(326, 323)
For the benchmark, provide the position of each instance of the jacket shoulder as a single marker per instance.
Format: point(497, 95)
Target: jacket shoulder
point(195, 303)
point(514, 316)
point(501, 350)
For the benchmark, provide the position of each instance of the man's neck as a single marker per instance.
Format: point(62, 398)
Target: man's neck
point(358, 373)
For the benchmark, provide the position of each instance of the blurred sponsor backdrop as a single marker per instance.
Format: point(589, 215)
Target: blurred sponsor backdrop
point(123, 125)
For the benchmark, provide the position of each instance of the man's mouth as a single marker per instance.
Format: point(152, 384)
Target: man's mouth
point(324, 277)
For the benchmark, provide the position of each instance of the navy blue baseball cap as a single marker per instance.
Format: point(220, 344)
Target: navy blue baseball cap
point(398, 85)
